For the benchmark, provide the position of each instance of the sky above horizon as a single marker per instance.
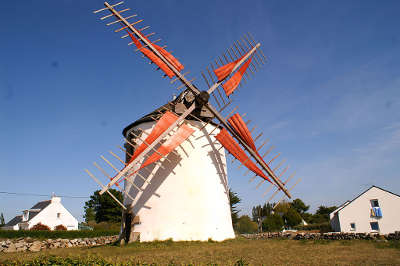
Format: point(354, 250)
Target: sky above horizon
point(328, 98)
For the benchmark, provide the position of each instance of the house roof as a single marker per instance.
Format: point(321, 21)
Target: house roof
point(348, 202)
point(41, 204)
point(38, 207)
point(14, 221)
point(32, 214)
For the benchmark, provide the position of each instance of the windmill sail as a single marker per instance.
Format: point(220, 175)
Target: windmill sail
point(236, 121)
point(233, 147)
point(161, 126)
point(150, 55)
point(225, 70)
point(234, 81)
point(133, 162)
point(171, 144)
point(167, 147)
point(175, 62)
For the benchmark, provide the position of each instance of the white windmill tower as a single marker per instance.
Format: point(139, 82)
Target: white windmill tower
point(174, 173)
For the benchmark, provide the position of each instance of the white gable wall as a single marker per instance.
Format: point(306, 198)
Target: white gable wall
point(359, 212)
point(48, 216)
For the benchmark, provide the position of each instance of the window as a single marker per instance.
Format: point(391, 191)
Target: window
point(374, 226)
point(58, 215)
point(352, 227)
point(374, 203)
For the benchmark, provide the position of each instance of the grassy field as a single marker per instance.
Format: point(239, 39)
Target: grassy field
point(232, 252)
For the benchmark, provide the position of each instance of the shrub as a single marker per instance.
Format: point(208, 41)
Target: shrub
point(60, 227)
point(246, 225)
point(40, 227)
point(104, 225)
point(322, 227)
point(273, 222)
point(292, 217)
point(56, 234)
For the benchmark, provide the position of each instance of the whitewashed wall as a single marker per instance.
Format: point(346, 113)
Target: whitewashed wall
point(358, 212)
point(48, 216)
point(189, 199)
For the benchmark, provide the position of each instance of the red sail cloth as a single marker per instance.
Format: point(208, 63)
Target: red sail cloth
point(225, 70)
point(162, 124)
point(171, 59)
point(180, 136)
point(233, 147)
point(155, 59)
point(241, 128)
point(234, 81)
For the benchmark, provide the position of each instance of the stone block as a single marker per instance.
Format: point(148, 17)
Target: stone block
point(36, 246)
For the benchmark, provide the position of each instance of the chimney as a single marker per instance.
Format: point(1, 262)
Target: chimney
point(55, 199)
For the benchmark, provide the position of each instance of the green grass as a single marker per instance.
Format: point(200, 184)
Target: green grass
point(232, 252)
point(56, 234)
point(388, 244)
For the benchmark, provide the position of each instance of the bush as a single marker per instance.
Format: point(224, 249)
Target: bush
point(57, 234)
point(322, 227)
point(40, 227)
point(273, 222)
point(60, 227)
point(292, 217)
point(104, 225)
point(246, 225)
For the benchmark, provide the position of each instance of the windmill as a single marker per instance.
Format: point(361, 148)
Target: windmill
point(174, 173)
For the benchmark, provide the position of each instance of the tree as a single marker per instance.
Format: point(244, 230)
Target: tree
point(273, 222)
point(2, 222)
point(282, 208)
point(291, 218)
point(105, 208)
point(322, 214)
point(261, 212)
point(90, 215)
point(299, 206)
point(307, 217)
point(234, 200)
point(246, 225)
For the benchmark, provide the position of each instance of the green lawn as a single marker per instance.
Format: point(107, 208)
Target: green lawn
point(238, 251)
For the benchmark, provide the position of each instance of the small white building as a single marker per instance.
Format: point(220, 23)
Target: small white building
point(376, 210)
point(48, 212)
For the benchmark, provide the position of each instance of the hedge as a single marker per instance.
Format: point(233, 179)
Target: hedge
point(57, 234)
point(322, 227)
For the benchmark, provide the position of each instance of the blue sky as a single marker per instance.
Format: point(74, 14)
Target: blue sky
point(328, 98)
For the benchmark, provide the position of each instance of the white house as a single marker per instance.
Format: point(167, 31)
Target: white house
point(48, 212)
point(374, 210)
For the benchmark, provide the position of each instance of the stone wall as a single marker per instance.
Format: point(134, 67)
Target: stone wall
point(323, 236)
point(34, 245)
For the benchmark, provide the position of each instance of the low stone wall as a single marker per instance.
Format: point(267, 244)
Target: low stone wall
point(323, 236)
point(34, 245)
